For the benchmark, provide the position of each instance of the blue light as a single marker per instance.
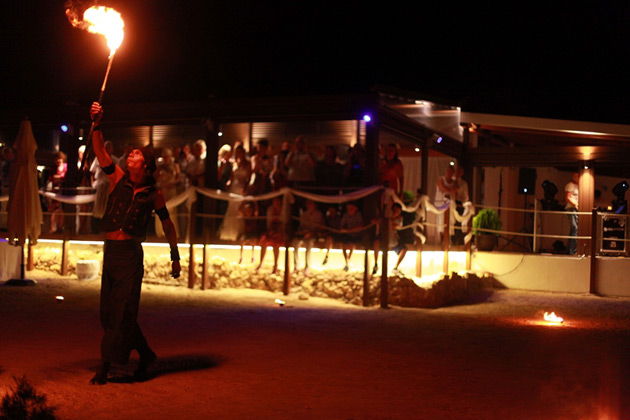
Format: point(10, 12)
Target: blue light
point(367, 118)
point(64, 128)
point(439, 139)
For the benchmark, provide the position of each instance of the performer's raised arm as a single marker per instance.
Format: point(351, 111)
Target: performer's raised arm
point(98, 144)
point(113, 172)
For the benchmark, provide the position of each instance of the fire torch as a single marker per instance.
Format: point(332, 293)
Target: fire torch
point(107, 22)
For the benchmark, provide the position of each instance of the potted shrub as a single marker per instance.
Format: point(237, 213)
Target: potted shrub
point(486, 219)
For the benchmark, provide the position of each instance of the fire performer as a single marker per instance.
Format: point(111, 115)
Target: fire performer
point(133, 196)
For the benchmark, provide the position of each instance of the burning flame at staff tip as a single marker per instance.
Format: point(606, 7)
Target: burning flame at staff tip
point(101, 20)
point(551, 317)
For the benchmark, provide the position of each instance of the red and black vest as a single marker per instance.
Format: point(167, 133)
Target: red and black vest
point(130, 210)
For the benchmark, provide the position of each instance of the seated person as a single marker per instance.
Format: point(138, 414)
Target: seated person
point(249, 235)
point(310, 231)
point(333, 221)
point(395, 221)
point(274, 236)
point(351, 226)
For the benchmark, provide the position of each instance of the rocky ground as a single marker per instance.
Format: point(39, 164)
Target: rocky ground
point(238, 354)
point(345, 286)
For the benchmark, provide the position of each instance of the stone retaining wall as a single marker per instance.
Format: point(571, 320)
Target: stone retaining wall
point(333, 283)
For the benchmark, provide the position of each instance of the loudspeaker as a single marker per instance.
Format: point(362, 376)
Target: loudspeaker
point(526, 181)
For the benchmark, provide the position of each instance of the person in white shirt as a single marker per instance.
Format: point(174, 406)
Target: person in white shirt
point(571, 198)
point(446, 190)
point(461, 197)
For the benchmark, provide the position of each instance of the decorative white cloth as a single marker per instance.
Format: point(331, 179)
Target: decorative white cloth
point(24, 210)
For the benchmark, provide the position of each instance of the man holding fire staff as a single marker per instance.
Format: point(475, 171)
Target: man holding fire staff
point(133, 196)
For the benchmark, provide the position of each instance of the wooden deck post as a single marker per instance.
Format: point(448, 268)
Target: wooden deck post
point(446, 238)
point(468, 246)
point(384, 246)
point(192, 277)
point(594, 241)
point(30, 260)
point(418, 257)
point(204, 272)
point(191, 242)
point(366, 280)
point(286, 284)
point(65, 251)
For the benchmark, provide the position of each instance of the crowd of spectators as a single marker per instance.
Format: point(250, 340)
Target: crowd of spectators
point(313, 224)
point(251, 173)
point(6, 159)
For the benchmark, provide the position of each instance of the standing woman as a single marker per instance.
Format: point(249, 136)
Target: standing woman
point(239, 180)
point(168, 178)
point(133, 196)
point(390, 171)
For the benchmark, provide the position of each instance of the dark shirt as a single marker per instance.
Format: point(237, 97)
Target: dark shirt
point(130, 210)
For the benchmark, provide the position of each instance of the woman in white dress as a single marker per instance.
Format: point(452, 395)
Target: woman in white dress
point(446, 191)
point(238, 183)
point(167, 178)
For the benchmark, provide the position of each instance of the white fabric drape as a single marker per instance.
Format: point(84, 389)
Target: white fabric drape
point(423, 206)
point(24, 210)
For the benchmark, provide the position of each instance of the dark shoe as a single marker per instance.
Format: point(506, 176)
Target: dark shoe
point(100, 378)
point(145, 362)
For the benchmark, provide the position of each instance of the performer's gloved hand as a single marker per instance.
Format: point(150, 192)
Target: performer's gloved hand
point(96, 112)
point(176, 268)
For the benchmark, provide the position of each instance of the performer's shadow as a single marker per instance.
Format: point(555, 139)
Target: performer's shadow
point(164, 366)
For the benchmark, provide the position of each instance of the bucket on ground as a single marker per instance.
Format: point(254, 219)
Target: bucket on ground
point(88, 269)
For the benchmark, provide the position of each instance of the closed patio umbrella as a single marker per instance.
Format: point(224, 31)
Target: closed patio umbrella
point(24, 208)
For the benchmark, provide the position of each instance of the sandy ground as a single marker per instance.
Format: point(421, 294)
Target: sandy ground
point(235, 354)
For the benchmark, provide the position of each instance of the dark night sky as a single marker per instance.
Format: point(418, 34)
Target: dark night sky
point(554, 59)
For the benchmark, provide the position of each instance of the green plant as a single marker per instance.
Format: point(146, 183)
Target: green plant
point(486, 219)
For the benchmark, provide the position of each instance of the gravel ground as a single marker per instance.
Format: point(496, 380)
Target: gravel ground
point(236, 354)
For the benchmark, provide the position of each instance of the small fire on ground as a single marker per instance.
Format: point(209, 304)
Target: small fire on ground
point(552, 318)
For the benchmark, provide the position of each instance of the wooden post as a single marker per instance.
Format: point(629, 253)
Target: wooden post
point(30, 261)
point(594, 241)
point(424, 170)
point(286, 284)
point(288, 230)
point(191, 242)
point(366, 280)
point(418, 257)
point(65, 251)
point(192, 278)
point(587, 202)
point(384, 246)
point(534, 227)
point(446, 238)
point(468, 246)
point(204, 264)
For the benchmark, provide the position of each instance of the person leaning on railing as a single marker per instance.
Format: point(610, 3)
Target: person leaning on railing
point(571, 197)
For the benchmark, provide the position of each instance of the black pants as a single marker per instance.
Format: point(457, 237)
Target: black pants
point(121, 284)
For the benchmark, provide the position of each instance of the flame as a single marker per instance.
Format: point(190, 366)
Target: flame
point(101, 20)
point(551, 317)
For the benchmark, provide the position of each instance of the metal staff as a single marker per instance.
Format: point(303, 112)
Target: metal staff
point(100, 99)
